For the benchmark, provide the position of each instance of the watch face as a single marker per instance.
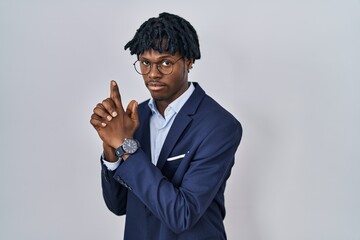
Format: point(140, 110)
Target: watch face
point(130, 146)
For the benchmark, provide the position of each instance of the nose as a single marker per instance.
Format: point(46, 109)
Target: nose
point(154, 72)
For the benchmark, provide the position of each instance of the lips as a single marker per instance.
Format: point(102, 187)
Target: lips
point(155, 86)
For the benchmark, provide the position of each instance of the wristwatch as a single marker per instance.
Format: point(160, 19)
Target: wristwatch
point(129, 146)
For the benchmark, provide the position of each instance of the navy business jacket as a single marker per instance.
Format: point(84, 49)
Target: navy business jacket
point(182, 197)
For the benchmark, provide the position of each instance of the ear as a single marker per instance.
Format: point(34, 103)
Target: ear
point(189, 64)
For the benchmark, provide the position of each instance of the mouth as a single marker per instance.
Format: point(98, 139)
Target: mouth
point(155, 86)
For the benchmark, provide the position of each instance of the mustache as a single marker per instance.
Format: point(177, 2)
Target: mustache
point(154, 83)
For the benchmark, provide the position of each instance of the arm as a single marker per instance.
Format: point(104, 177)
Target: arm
point(113, 124)
point(115, 195)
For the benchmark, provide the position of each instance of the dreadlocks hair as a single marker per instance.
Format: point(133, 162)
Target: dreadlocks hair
point(168, 32)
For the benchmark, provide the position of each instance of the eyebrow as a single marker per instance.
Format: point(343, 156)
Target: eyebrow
point(159, 59)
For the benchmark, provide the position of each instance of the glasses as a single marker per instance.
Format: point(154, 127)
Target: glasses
point(143, 67)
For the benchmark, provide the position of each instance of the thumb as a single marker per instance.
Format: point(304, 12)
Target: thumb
point(132, 111)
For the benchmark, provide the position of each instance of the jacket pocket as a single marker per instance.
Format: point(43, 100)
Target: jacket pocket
point(175, 157)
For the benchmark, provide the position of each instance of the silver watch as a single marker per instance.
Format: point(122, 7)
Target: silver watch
point(129, 146)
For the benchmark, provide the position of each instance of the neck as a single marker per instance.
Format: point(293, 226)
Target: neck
point(162, 104)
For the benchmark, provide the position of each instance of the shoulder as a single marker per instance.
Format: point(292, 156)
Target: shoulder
point(211, 115)
point(211, 111)
point(209, 106)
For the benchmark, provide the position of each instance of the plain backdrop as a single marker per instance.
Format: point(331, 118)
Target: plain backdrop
point(288, 70)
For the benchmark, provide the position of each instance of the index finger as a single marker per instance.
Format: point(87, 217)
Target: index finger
point(115, 94)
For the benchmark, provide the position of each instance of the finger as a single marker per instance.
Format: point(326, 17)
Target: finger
point(96, 121)
point(110, 107)
point(115, 95)
point(135, 115)
point(101, 112)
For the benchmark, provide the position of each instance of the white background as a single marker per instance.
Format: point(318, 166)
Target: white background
point(288, 70)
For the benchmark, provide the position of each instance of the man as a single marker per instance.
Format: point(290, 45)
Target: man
point(166, 161)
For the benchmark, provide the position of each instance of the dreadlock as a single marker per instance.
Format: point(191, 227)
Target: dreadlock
point(168, 32)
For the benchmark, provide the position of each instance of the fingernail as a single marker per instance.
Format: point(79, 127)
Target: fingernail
point(103, 124)
point(113, 83)
point(109, 117)
point(114, 114)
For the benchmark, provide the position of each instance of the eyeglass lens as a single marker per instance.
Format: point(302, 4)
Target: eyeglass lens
point(144, 68)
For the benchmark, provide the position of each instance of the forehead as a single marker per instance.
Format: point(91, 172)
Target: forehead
point(154, 55)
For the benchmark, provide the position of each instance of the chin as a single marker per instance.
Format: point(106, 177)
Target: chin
point(158, 98)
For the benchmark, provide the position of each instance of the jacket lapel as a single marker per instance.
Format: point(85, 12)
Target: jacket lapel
point(143, 133)
point(180, 123)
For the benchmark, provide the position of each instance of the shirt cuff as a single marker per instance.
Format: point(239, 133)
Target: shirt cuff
point(111, 166)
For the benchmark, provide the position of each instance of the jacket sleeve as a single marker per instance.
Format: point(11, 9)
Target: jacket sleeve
point(182, 206)
point(114, 194)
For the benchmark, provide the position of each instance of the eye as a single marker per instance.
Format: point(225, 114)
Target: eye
point(145, 63)
point(166, 63)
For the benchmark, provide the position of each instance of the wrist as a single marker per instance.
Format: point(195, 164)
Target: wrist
point(125, 156)
point(109, 153)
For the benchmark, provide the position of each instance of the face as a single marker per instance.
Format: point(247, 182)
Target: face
point(166, 88)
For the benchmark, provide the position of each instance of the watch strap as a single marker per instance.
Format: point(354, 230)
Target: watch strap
point(119, 152)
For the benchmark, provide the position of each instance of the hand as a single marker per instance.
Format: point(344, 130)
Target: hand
point(110, 120)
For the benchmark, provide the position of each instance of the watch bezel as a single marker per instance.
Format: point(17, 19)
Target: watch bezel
point(123, 149)
point(130, 146)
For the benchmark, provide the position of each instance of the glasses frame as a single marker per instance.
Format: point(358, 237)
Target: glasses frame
point(158, 64)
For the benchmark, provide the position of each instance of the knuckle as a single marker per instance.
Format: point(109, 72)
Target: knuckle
point(93, 122)
point(107, 103)
point(98, 106)
point(94, 117)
